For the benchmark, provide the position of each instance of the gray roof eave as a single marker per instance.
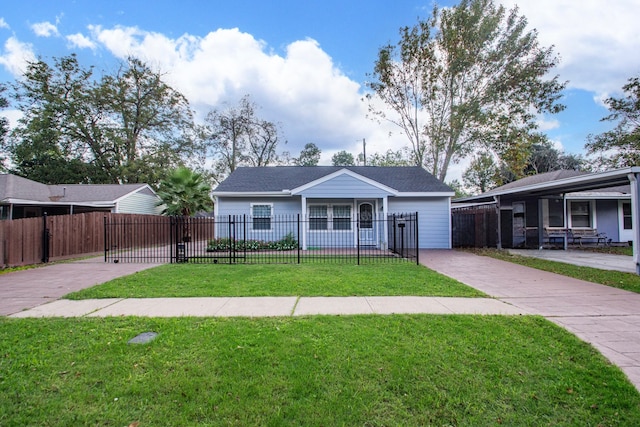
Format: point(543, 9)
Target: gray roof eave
point(567, 185)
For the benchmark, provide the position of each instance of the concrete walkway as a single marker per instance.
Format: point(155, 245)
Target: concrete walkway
point(622, 263)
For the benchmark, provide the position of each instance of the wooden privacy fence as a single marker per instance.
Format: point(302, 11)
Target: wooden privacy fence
point(24, 241)
point(474, 227)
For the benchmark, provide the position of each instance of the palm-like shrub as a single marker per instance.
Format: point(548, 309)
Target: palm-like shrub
point(185, 193)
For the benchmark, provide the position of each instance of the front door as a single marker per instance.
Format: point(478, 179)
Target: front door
point(366, 218)
point(625, 220)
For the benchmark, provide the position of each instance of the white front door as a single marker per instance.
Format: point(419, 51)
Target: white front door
point(366, 218)
point(625, 221)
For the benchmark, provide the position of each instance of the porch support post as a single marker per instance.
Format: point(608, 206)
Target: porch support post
point(635, 209)
point(565, 207)
point(303, 209)
point(499, 230)
point(385, 228)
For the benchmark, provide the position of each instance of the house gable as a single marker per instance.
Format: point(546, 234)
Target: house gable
point(344, 184)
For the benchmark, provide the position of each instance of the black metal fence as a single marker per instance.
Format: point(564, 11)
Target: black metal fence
point(279, 239)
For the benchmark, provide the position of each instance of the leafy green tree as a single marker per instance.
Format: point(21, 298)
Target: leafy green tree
point(468, 76)
point(620, 147)
point(481, 173)
point(309, 155)
point(389, 158)
point(457, 187)
point(126, 127)
point(4, 123)
point(236, 136)
point(185, 193)
point(343, 158)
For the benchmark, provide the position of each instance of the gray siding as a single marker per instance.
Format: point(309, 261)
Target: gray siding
point(434, 219)
point(345, 186)
point(139, 203)
point(607, 218)
point(242, 205)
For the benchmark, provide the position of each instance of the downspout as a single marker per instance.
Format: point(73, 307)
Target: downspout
point(303, 209)
point(499, 242)
point(385, 213)
point(635, 209)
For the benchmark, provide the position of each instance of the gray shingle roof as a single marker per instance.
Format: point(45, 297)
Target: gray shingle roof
point(15, 187)
point(278, 178)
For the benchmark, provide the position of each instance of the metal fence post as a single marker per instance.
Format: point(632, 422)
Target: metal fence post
point(45, 239)
point(417, 241)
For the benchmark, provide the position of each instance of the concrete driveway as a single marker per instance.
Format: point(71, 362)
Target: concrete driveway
point(606, 317)
point(21, 290)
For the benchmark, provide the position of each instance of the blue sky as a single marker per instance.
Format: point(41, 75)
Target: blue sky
point(305, 62)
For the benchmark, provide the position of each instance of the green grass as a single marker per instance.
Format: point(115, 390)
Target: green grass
point(208, 280)
point(617, 279)
point(316, 371)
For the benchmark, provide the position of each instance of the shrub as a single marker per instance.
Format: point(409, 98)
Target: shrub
point(224, 244)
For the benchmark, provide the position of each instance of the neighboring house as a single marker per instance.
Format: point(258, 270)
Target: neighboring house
point(24, 198)
point(329, 198)
point(553, 206)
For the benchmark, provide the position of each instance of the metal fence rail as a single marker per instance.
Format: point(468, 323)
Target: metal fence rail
point(280, 239)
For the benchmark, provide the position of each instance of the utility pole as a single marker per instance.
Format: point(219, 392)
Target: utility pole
point(364, 152)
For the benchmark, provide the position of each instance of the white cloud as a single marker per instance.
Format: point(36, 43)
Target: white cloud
point(597, 39)
point(3, 23)
point(16, 55)
point(45, 29)
point(80, 41)
point(301, 88)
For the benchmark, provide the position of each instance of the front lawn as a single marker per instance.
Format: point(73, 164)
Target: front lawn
point(315, 371)
point(222, 280)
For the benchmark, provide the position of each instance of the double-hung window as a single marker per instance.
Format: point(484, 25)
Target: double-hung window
point(342, 217)
point(318, 217)
point(261, 217)
point(581, 214)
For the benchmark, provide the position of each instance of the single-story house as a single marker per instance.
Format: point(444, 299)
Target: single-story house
point(24, 198)
point(329, 198)
point(555, 208)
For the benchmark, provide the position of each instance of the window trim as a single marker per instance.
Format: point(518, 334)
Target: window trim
point(329, 218)
point(592, 214)
point(270, 217)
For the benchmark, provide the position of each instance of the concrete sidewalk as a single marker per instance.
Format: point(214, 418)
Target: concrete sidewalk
point(268, 306)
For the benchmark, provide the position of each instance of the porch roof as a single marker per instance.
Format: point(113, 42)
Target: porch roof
point(557, 182)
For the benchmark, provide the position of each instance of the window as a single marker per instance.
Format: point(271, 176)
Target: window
point(581, 214)
point(626, 216)
point(318, 217)
point(556, 213)
point(342, 217)
point(261, 217)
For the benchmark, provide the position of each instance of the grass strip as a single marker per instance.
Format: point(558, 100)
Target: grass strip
point(213, 280)
point(616, 279)
point(354, 370)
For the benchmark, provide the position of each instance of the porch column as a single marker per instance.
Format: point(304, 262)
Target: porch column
point(303, 216)
point(565, 221)
point(499, 212)
point(635, 209)
point(385, 228)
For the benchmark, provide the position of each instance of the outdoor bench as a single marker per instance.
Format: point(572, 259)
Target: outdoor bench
point(555, 236)
point(590, 235)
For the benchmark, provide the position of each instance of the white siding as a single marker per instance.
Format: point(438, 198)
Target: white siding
point(139, 203)
point(345, 186)
point(434, 219)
